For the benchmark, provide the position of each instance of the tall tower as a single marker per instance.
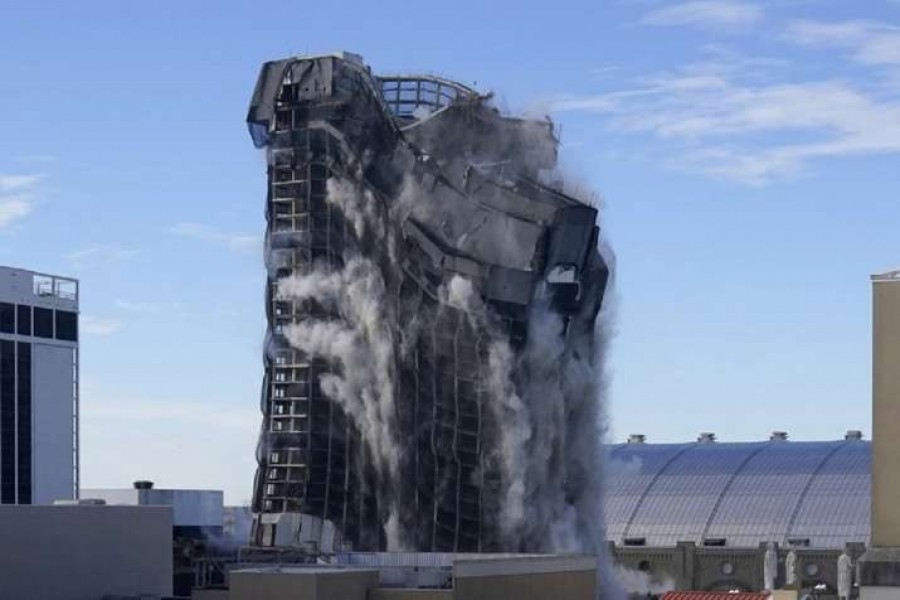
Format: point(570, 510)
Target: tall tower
point(38, 387)
point(879, 567)
point(412, 246)
point(886, 410)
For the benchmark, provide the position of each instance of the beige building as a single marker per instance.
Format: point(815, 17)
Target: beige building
point(880, 566)
point(419, 576)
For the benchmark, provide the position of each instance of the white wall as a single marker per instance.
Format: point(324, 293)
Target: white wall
point(52, 414)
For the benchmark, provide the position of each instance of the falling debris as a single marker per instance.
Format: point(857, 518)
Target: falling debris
point(434, 356)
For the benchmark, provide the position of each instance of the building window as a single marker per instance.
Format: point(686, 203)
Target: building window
point(7, 318)
point(43, 322)
point(66, 326)
point(7, 422)
point(23, 402)
point(23, 319)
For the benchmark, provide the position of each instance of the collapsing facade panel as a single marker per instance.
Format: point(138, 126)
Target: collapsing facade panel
point(431, 361)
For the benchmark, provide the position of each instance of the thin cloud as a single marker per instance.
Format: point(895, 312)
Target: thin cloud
point(206, 233)
point(13, 209)
point(732, 123)
point(16, 197)
point(12, 183)
point(99, 254)
point(717, 14)
point(869, 42)
point(100, 327)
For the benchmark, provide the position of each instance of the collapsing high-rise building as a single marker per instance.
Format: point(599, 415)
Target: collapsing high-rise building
point(432, 378)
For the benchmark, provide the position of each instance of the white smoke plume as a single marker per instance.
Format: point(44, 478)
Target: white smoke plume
point(360, 339)
point(358, 206)
point(642, 583)
point(515, 431)
point(546, 398)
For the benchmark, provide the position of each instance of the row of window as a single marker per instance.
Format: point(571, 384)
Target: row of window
point(15, 423)
point(38, 322)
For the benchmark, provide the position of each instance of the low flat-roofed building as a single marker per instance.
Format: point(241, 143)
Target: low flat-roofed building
point(200, 509)
point(197, 525)
point(302, 583)
point(85, 552)
point(417, 576)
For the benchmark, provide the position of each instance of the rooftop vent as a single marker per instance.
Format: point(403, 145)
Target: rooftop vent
point(853, 435)
point(706, 437)
point(637, 438)
point(778, 436)
point(143, 484)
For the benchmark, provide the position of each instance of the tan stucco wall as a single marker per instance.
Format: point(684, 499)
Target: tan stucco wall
point(886, 413)
point(571, 585)
point(352, 586)
point(268, 585)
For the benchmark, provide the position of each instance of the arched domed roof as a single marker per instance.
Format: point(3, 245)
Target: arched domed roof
point(742, 493)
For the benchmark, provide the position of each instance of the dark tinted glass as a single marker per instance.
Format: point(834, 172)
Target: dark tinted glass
point(43, 322)
point(66, 326)
point(23, 401)
point(23, 319)
point(7, 422)
point(7, 318)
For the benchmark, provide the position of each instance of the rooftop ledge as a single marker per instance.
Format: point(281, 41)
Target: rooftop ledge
point(888, 276)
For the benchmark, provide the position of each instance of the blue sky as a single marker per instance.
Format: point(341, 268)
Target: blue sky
point(746, 154)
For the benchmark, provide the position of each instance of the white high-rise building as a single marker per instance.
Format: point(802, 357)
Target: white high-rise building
point(38, 387)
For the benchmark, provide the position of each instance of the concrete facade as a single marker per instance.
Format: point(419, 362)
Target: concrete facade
point(85, 552)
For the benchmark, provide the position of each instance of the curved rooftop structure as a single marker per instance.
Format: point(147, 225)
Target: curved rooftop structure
point(739, 494)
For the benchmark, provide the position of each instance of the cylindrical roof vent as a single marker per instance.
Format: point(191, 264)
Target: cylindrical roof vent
point(637, 438)
point(778, 436)
point(706, 437)
point(143, 484)
point(853, 435)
